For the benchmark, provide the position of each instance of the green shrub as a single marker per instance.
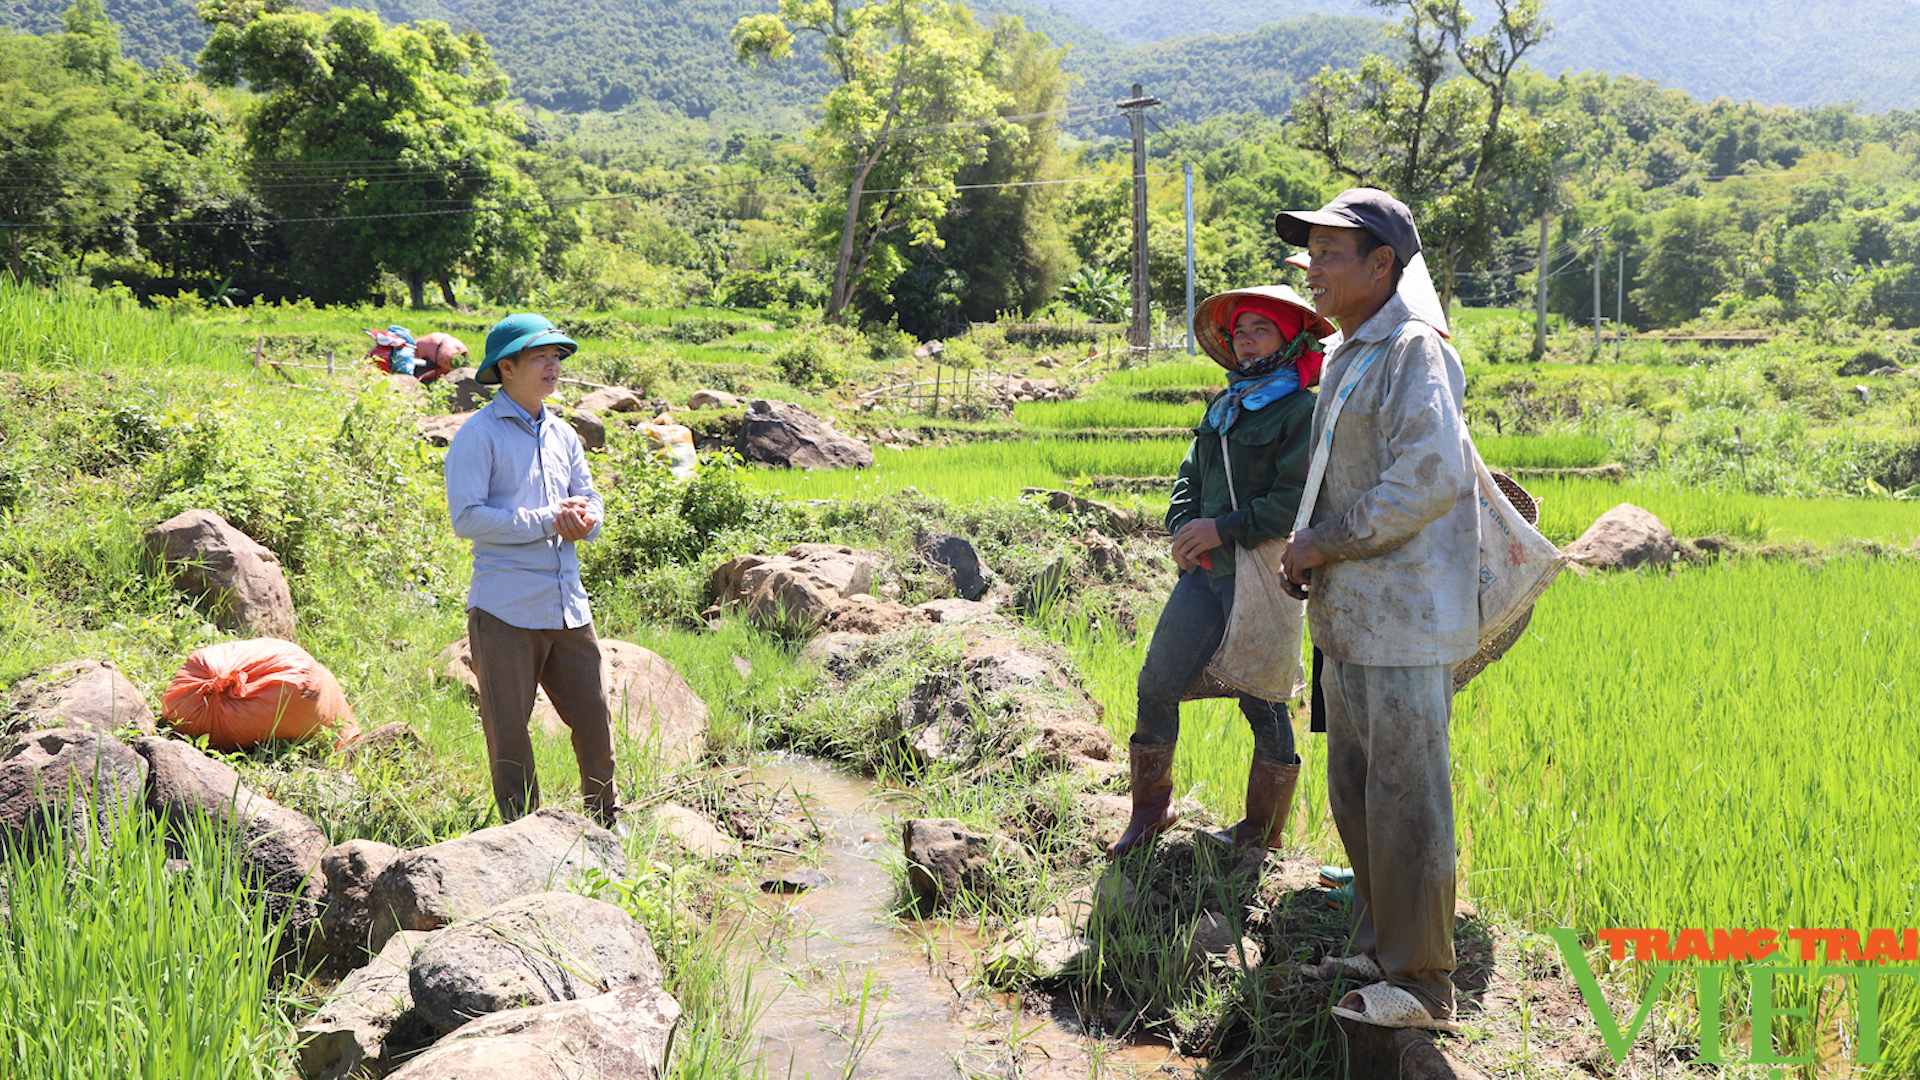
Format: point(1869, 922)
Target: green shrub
point(654, 521)
point(811, 360)
point(791, 286)
point(704, 329)
point(639, 372)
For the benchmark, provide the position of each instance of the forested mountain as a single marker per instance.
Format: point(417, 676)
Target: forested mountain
point(1791, 52)
point(582, 54)
point(1254, 71)
point(671, 58)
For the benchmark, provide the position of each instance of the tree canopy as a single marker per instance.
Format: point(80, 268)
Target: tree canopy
point(377, 146)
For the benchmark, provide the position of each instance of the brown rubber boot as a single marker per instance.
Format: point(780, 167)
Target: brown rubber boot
point(1269, 799)
point(1151, 769)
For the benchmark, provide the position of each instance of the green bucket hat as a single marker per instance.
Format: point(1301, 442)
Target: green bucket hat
point(515, 334)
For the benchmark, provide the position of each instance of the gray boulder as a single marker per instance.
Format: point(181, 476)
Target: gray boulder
point(369, 1021)
point(613, 399)
point(280, 847)
point(694, 834)
point(780, 433)
point(1623, 538)
point(429, 887)
point(955, 556)
point(955, 610)
point(591, 429)
point(440, 430)
point(84, 695)
point(712, 399)
point(945, 858)
point(391, 739)
point(68, 777)
point(238, 579)
point(551, 946)
point(621, 1035)
point(468, 394)
point(346, 922)
point(651, 701)
point(801, 589)
point(408, 389)
point(1109, 518)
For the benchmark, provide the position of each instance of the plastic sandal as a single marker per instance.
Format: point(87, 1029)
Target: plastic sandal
point(1386, 1005)
point(1341, 897)
point(1332, 877)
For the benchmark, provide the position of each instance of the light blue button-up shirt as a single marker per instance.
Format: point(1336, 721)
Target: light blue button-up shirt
point(505, 478)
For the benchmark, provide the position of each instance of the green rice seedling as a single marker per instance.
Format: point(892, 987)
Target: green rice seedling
point(1541, 451)
point(1176, 373)
point(982, 471)
point(1722, 748)
point(73, 326)
point(1106, 413)
point(113, 964)
point(1568, 506)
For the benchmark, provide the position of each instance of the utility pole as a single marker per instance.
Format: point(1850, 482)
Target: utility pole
point(1620, 305)
point(1188, 172)
point(1139, 333)
point(1596, 290)
point(1540, 296)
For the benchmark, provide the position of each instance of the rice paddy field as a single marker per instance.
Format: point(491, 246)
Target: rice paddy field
point(1726, 747)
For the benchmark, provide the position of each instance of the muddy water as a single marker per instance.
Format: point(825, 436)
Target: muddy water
point(847, 981)
point(849, 990)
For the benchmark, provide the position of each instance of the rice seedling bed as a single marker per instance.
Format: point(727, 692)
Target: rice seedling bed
point(978, 471)
point(1568, 506)
point(1107, 413)
point(1541, 451)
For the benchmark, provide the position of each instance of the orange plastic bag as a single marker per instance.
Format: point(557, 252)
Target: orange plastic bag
point(242, 693)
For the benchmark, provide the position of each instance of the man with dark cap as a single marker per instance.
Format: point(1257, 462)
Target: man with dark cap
point(1389, 557)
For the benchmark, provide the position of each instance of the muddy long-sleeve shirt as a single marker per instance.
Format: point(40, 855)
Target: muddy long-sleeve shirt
point(506, 476)
point(1397, 515)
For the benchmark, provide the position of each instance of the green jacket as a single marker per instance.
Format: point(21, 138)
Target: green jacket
point(1268, 451)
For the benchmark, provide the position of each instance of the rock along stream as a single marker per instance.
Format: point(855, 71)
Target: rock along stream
point(849, 990)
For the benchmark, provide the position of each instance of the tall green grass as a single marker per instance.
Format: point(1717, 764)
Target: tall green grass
point(1727, 747)
point(1107, 413)
point(75, 327)
point(982, 470)
point(113, 965)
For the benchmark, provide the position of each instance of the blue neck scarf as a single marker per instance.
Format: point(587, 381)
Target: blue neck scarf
point(1246, 394)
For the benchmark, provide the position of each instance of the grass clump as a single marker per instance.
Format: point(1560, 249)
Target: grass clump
point(115, 963)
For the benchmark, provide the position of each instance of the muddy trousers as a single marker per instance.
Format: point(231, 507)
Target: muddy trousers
point(510, 663)
point(1191, 627)
point(1391, 794)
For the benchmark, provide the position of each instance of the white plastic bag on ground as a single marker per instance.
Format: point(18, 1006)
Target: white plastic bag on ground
point(673, 444)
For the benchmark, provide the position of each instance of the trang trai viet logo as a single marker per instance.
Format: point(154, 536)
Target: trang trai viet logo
point(1765, 958)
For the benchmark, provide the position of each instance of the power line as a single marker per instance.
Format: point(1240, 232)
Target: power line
point(248, 222)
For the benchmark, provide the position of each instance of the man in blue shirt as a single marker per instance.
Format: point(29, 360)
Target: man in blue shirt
point(518, 488)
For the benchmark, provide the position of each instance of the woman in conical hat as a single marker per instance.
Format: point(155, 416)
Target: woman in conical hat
point(1240, 484)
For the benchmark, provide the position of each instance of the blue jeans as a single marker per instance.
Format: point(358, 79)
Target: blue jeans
point(1190, 629)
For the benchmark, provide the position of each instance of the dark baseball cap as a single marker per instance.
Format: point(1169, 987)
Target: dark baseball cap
point(1386, 217)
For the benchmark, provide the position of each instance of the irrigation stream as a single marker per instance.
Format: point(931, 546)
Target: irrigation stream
point(849, 990)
